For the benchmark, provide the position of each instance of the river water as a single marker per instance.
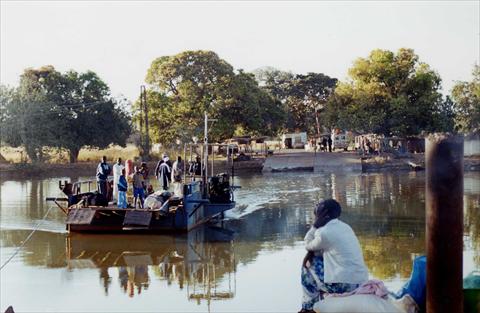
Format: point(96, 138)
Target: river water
point(251, 264)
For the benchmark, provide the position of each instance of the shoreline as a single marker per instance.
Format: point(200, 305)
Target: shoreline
point(286, 162)
point(16, 171)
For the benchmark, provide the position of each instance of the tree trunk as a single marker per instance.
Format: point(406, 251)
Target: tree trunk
point(73, 154)
point(317, 122)
point(32, 153)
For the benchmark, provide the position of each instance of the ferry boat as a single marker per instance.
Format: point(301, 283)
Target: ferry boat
point(204, 198)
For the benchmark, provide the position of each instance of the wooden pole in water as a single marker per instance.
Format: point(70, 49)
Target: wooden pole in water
point(184, 163)
point(444, 201)
point(213, 158)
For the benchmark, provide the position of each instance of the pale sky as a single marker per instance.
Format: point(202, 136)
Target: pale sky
point(119, 39)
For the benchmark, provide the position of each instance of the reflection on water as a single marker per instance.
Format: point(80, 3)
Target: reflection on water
point(251, 263)
point(195, 261)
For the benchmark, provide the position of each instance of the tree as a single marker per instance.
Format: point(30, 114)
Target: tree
point(69, 110)
point(274, 81)
point(252, 110)
point(184, 86)
point(444, 117)
point(303, 96)
point(26, 121)
point(308, 95)
point(467, 98)
point(388, 93)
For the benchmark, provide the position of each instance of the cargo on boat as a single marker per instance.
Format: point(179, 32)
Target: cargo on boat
point(203, 198)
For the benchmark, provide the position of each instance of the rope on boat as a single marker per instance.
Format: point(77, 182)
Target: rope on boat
point(26, 239)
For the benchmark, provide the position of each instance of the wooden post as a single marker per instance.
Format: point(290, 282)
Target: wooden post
point(184, 163)
point(213, 159)
point(444, 201)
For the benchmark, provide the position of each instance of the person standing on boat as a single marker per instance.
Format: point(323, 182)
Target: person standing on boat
point(177, 170)
point(166, 159)
point(195, 168)
point(103, 170)
point(122, 190)
point(177, 173)
point(138, 187)
point(117, 172)
point(334, 261)
point(162, 173)
point(144, 170)
point(324, 144)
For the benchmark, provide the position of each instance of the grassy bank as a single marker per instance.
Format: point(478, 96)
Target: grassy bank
point(60, 156)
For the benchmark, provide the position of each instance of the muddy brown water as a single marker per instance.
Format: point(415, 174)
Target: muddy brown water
point(251, 263)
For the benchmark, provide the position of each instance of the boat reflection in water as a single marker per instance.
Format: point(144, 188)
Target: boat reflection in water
point(97, 273)
point(196, 260)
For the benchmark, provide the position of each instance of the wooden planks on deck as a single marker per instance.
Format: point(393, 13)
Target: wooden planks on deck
point(141, 218)
point(80, 216)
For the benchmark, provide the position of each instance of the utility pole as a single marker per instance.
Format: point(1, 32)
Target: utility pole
point(140, 121)
point(144, 107)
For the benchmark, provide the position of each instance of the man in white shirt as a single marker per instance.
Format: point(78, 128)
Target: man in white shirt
point(334, 261)
point(117, 172)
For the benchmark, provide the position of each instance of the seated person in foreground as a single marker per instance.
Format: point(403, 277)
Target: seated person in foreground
point(334, 261)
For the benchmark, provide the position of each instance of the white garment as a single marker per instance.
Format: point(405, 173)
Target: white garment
point(117, 172)
point(364, 303)
point(342, 255)
point(177, 170)
point(178, 189)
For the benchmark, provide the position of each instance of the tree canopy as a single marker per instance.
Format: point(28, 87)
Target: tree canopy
point(184, 86)
point(304, 96)
point(467, 99)
point(68, 110)
point(389, 93)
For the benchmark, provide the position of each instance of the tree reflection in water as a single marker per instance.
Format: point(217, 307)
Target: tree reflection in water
point(386, 210)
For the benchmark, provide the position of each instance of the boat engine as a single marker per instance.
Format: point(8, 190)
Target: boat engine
point(219, 188)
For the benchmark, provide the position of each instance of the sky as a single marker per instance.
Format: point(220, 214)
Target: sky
point(119, 39)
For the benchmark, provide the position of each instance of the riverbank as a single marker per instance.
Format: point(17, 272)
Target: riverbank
point(351, 162)
point(279, 162)
point(15, 171)
point(415, 162)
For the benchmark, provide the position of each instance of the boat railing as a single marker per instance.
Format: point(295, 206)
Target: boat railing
point(81, 186)
point(207, 166)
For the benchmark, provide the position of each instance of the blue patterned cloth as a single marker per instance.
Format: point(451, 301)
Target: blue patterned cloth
point(314, 286)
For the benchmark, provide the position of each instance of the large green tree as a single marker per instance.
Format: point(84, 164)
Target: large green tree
point(389, 93)
point(304, 96)
point(467, 98)
point(275, 81)
point(27, 121)
point(308, 95)
point(65, 110)
point(184, 86)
